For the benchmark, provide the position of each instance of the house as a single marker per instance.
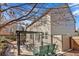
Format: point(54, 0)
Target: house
point(8, 30)
point(58, 26)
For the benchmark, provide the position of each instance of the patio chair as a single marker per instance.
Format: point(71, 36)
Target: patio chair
point(35, 52)
point(43, 50)
point(52, 50)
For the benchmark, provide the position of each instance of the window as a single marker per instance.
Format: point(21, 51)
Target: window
point(42, 35)
point(31, 36)
point(37, 37)
point(46, 35)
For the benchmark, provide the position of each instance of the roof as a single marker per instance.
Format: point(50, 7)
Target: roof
point(5, 33)
point(44, 15)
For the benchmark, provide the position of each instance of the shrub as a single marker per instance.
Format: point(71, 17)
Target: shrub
point(2, 38)
point(12, 37)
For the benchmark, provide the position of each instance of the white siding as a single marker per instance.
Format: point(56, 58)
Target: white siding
point(63, 22)
point(43, 25)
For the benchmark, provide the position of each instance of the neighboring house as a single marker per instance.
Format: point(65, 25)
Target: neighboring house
point(58, 25)
point(8, 30)
point(11, 29)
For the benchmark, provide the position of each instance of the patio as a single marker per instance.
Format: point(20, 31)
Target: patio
point(72, 53)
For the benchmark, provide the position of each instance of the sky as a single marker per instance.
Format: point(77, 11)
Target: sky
point(75, 12)
point(74, 8)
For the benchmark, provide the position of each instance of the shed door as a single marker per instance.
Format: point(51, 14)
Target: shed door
point(57, 39)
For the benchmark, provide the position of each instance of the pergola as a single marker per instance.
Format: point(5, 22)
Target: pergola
point(18, 33)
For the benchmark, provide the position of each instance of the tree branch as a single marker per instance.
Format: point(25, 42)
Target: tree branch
point(19, 17)
point(14, 7)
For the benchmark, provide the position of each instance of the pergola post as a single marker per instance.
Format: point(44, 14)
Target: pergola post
point(18, 42)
